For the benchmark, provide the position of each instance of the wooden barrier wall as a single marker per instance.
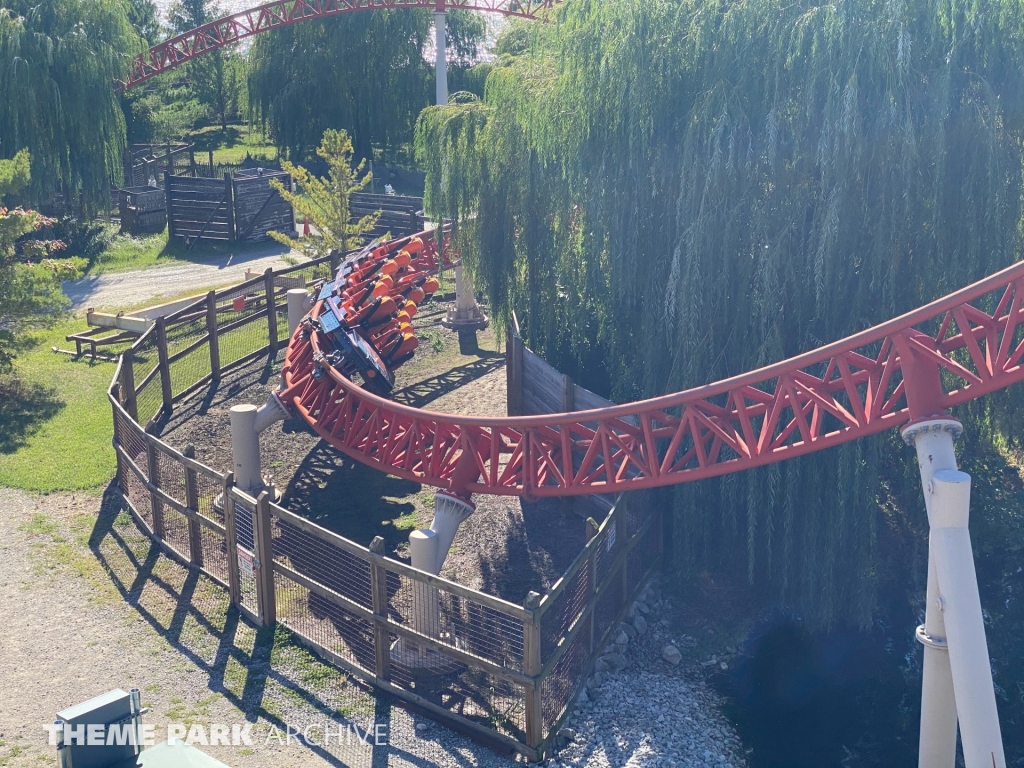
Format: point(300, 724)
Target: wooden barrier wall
point(533, 388)
point(400, 215)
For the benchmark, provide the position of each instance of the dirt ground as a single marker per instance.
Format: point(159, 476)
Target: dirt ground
point(507, 548)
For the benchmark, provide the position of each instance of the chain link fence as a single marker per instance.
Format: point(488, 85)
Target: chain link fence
point(507, 673)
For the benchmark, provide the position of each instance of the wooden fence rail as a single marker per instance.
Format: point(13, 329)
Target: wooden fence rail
point(515, 670)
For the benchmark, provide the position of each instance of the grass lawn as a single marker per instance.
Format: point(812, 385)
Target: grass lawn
point(231, 146)
point(58, 427)
point(126, 253)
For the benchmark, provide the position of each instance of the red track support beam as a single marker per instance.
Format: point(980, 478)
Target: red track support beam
point(915, 366)
point(231, 29)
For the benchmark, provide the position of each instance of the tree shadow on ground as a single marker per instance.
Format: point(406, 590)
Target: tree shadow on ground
point(351, 499)
point(427, 391)
point(24, 407)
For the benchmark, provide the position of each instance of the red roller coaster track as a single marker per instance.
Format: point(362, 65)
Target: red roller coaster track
point(231, 29)
point(911, 367)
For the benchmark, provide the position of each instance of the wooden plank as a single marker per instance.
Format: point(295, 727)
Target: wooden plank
point(231, 541)
point(379, 591)
point(211, 334)
point(163, 365)
point(265, 562)
point(195, 535)
point(532, 667)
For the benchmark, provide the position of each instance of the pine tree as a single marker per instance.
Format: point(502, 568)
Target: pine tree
point(325, 201)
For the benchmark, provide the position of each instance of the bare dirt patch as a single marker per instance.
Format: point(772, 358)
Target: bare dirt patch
point(507, 548)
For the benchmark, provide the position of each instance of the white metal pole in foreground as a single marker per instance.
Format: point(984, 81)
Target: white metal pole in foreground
point(449, 513)
point(245, 447)
point(957, 676)
point(298, 306)
point(440, 63)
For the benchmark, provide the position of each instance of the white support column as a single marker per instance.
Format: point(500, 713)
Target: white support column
point(449, 513)
point(440, 62)
point(245, 447)
point(298, 306)
point(957, 677)
point(423, 549)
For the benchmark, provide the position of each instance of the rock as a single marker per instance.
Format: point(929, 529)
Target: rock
point(723, 666)
point(671, 654)
point(622, 638)
point(614, 661)
point(642, 607)
point(640, 624)
point(629, 629)
point(568, 734)
point(583, 697)
point(421, 727)
point(601, 665)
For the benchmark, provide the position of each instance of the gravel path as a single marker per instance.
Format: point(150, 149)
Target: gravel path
point(88, 605)
point(123, 289)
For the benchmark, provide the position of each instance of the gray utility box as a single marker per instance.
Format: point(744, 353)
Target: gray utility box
point(109, 709)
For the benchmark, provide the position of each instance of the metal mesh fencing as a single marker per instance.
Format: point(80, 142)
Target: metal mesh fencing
point(326, 623)
point(560, 616)
point(241, 321)
point(324, 562)
point(564, 678)
point(457, 621)
point(188, 348)
point(132, 441)
point(245, 534)
point(468, 693)
point(148, 385)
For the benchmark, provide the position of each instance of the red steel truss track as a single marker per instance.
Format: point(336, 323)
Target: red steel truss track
point(216, 34)
point(963, 346)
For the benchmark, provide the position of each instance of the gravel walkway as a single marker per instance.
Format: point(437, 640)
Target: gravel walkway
point(122, 289)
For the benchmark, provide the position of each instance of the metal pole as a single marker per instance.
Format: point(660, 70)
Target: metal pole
point(440, 64)
point(957, 678)
point(245, 447)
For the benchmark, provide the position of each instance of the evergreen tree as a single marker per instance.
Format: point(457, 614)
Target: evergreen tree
point(325, 202)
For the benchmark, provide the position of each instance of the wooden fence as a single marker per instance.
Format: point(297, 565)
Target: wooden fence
point(245, 207)
point(507, 673)
point(399, 215)
point(534, 387)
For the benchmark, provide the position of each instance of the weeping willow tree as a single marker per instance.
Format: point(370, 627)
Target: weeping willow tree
point(59, 61)
point(363, 72)
point(690, 190)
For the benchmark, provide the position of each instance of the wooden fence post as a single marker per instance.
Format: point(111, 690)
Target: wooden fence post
point(379, 591)
point(211, 332)
point(622, 535)
point(265, 562)
point(514, 375)
point(592, 527)
point(127, 384)
point(195, 532)
point(168, 195)
point(231, 541)
point(230, 198)
point(268, 290)
point(532, 667)
point(153, 470)
point(211, 163)
point(165, 368)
